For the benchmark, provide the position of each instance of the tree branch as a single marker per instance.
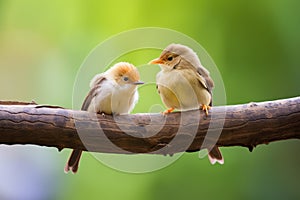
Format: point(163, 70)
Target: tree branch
point(245, 125)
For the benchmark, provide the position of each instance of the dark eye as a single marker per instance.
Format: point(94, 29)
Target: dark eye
point(170, 58)
point(125, 78)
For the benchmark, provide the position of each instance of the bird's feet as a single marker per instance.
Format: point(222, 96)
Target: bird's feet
point(168, 111)
point(205, 108)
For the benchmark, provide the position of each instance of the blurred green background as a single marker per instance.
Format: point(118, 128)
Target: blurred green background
point(255, 44)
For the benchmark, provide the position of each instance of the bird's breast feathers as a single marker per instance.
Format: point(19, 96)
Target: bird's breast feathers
point(182, 89)
point(112, 98)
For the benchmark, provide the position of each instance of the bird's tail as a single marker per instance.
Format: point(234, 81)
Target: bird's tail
point(215, 155)
point(73, 161)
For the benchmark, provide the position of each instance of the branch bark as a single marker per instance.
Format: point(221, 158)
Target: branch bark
point(244, 125)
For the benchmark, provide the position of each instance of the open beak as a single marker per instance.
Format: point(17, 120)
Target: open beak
point(156, 61)
point(138, 83)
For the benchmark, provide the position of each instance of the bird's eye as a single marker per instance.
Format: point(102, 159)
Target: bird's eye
point(170, 58)
point(125, 78)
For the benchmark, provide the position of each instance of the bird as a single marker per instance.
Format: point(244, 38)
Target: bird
point(112, 92)
point(184, 84)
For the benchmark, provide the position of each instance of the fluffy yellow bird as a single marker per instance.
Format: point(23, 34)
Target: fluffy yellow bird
point(184, 84)
point(112, 92)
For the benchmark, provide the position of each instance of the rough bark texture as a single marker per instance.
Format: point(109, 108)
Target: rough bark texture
point(245, 125)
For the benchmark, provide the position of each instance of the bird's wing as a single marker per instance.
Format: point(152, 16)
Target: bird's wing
point(97, 79)
point(202, 81)
point(205, 77)
point(92, 93)
point(206, 81)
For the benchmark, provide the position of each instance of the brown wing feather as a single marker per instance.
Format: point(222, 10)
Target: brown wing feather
point(88, 98)
point(206, 80)
point(91, 94)
point(205, 74)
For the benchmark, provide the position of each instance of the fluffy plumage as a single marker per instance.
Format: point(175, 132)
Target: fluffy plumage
point(184, 84)
point(112, 92)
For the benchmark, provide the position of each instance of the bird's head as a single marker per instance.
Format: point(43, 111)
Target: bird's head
point(175, 54)
point(125, 73)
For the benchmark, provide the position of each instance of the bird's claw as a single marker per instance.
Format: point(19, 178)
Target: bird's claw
point(168, 111)
point(205, 108)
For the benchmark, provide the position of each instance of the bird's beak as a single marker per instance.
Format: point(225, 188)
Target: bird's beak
point(138, 83)
point(156, 61)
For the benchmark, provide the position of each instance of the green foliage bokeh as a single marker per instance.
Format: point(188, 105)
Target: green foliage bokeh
point(255, 44)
